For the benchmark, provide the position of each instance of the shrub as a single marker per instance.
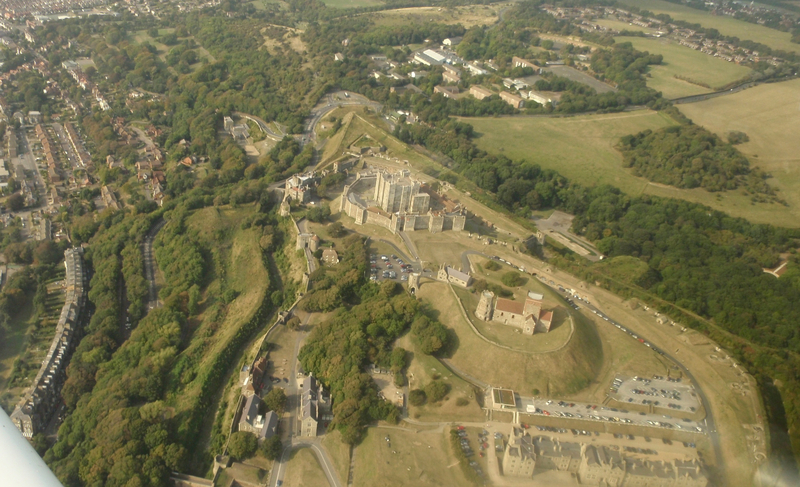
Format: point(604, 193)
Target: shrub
point(462, 401)
point(513, 279)
point(437, 390)
point(491, 265)
point(417, 397)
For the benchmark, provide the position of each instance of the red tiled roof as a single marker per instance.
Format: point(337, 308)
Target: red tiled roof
point(546, 316)
point(509, 306)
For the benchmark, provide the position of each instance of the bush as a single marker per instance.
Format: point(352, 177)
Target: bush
point(513, 279)
point(462, 401)
point(736, 137)
point(437, 390)
point(336, 230)
point(242, 445)
point(491, 265)
point(417, 397)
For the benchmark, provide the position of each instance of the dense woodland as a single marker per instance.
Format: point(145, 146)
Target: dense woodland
point(368, 320)
point(689, 156)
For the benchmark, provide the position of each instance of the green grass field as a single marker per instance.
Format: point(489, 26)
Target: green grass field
point(352, 3)
point(724, 24)
point(304, 469)
point(769, 115)
point(683, 61)
point(422, 459)
point(582, 149)
point(619, 25)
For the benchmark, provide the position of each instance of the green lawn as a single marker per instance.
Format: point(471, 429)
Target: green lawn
point(683, 61)
point(303, 469)
point(582, 149)
point(724, 24)
point(352, 3)
point(421, 459)
point(619, 25)
point(770, 120)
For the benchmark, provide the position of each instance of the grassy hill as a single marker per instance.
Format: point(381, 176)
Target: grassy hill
point(769, 116)
point(582, 149)
point(682, 61)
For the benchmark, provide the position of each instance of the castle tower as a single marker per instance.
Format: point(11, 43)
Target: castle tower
point(533, 305)
point(485, 309)
point(413, 283)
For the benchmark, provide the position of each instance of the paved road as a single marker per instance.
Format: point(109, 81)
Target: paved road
point(149, 265)
point(293, 394)
point(279, 468)
point(264, 126)
point(329, 103)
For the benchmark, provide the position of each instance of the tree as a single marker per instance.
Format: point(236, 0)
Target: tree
point(417, 397)
point(437, 390)
point(336, 230)
point(271, 448)
point(15, 202)
point(513, 279)
point(242, 445)
point(276, 400)
point(491, 265)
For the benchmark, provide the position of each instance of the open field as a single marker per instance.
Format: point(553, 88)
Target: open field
point(338, 451)
point(352, 3)
point(726, 25)
point(420, 459)
point(683, 61)
point(303, 469)
point(769, 115)
point(582, 149)
point(422, 370)
point(613, 23)
point(468, 15)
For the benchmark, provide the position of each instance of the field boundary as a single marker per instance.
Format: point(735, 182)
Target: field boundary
point(727, 91)
point(506, 347)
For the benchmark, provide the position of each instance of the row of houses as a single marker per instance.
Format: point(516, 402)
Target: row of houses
point(37, 406)
point(594, 464)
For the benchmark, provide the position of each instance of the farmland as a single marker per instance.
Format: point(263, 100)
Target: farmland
point(725, 25)
point(582, 149)
point(468, 15)
point(770, 122)
point(687, 63)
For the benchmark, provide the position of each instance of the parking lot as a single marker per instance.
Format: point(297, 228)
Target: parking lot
point(390, 267)
point(604, 414)
point(658, 391)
